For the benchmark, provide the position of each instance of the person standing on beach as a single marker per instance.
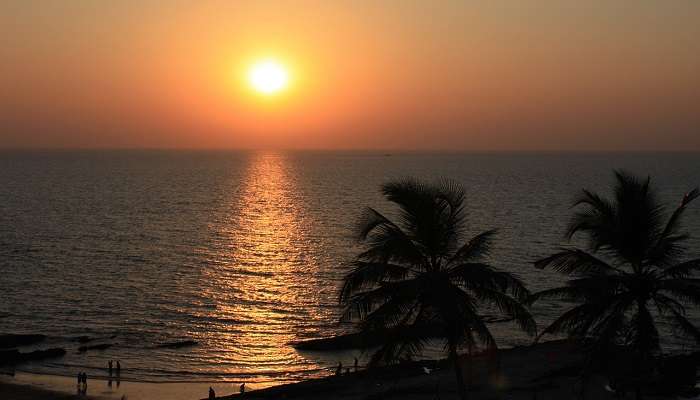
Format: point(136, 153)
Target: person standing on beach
point(339, 370)
point(241, 389)
point(109, 364)
point(119, 368)
point(82, 383)
point(212, 394)
point(355, 364)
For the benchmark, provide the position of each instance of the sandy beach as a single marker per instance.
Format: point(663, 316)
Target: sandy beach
point(542, 371)
point(37, 386)
point(26, 392)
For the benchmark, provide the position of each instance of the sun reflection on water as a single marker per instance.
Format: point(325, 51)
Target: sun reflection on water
point(260, 279)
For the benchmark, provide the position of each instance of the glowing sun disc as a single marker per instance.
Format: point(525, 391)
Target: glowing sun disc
point(268, 77)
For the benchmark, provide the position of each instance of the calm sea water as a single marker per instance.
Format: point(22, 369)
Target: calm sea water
point(243, 251)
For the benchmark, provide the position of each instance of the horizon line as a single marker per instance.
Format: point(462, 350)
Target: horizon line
point(321, 149)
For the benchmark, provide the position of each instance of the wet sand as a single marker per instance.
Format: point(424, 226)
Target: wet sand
point(13, 391)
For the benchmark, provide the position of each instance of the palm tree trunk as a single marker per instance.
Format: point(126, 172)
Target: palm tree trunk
point(459, 375)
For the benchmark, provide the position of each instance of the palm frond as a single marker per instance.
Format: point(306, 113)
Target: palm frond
point(510, 307)
point(667, 250)
point(431, 213)
point(597, 220)
point(570, 320)
point(365, 275)
point(359, 305)
point(479, 275)
point(665, 303)
point(575, 261)
point(474, 249)
point(592, 318)
point(674, 221)
point(399, 345)
point(684, 289)
point(684, 269)
point(566, 293)
point(685, 327)
point(369, 220)
point(387, 242)
point(668, 246)
point(394, 312)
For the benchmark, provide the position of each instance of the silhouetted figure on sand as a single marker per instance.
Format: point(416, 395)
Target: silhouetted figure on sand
point(339, 370)
point(212, 393)
point(119, 367)
point(82, 383)
point(109, 365)
point(355, 364)
point(242, 388)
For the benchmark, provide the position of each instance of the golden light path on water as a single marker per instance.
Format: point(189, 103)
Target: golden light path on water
point(263, 283)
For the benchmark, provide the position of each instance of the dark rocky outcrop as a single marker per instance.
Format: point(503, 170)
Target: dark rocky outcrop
point(340, 342)
point(177, 345)
point(102, 346)
point(83, 339)
point(12, 357)
point(363, 340)
point(9, 341)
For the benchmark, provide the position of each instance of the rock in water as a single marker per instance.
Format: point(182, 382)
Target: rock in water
point(12, 357)
point(8, 341)
point(177, 345)
point(103, 346)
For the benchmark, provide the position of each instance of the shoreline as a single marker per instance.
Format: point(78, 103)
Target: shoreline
point(546, 371)
point(45, 387)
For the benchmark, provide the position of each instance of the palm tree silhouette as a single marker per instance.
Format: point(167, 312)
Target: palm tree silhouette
point(638, 277)
point(418, 273)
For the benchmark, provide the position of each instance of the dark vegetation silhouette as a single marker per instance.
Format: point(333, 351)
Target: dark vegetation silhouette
point(418, 272)
point(630, 276)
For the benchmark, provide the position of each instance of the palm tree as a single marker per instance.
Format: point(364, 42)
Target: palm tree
point(631, 275)
point(417, 279)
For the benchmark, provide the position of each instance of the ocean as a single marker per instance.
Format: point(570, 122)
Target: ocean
point(243, 252)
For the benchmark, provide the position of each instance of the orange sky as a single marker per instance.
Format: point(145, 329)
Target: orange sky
point(458, 75)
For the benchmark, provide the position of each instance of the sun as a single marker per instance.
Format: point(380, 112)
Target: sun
point(268, 77)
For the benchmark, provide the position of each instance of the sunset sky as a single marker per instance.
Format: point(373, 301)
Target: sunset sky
point(458, 75)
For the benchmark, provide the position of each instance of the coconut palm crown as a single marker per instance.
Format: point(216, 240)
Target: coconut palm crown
point(631, 275)
point(417, 272)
